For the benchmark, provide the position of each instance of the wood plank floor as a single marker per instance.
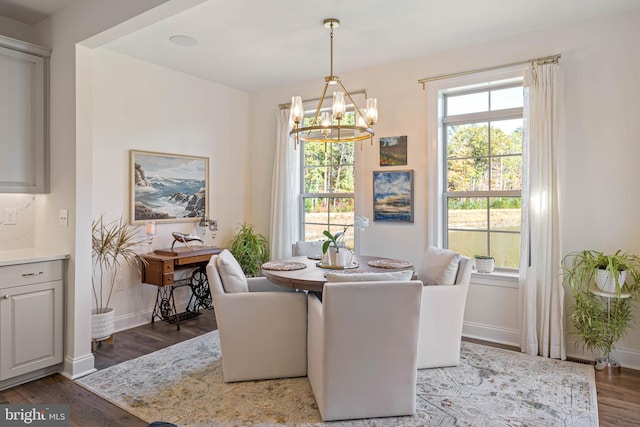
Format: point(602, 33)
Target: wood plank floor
point(618, 396)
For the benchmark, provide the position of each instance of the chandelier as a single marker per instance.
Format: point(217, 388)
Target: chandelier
point(333, 126)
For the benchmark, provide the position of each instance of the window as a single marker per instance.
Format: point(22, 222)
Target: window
point(481, 182)
point(328, 188)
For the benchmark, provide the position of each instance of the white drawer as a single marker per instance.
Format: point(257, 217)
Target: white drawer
point(26, 274)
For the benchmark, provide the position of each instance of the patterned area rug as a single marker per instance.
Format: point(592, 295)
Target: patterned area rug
point(183, 384)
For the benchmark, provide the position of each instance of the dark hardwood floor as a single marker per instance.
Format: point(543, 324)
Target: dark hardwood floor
point(618, 396)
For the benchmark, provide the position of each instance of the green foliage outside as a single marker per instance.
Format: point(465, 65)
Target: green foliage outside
point(479, 161)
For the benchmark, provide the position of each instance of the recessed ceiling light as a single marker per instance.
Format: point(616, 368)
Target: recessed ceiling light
point(183, 40)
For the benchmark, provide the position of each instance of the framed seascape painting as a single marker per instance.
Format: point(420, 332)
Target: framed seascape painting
point(393, 196)
point(393, 151)
point(168, 187)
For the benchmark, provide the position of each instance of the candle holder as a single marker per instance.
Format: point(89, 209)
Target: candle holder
point(210, 224)
point(150, 230)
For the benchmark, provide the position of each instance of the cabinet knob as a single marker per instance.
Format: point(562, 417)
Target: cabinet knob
point(6, 297)
point(32, 274)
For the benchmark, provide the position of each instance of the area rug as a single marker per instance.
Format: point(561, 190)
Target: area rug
point(183, 384)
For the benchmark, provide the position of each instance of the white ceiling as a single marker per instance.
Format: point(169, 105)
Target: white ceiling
point(256, 44)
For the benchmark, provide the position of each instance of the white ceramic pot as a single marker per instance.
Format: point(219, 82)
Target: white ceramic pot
point(607, 282)
point(484, 265)
point(102, 324)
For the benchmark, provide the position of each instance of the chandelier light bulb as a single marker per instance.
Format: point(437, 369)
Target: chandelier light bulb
point(339, 106)
point(297, 111)
point(371, 111)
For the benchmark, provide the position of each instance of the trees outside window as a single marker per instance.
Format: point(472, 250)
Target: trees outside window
point(482, 174)
point(328, 187)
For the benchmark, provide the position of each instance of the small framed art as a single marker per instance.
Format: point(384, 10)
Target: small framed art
point(393, 151)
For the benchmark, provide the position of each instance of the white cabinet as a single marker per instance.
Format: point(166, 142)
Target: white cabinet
point(24, 122)
point(31, 320)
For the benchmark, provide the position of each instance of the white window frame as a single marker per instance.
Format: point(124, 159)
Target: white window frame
point(436, 157)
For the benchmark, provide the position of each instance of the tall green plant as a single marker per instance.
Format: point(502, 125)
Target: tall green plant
point(113, 244)
point(596, 326)
point(250, 249)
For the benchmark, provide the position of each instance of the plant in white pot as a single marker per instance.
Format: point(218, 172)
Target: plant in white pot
point(113, 245)
point(605, 288)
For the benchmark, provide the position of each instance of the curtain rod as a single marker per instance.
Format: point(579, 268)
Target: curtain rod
point(536, 61)
point(288, 104)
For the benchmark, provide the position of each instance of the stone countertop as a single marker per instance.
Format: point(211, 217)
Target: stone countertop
point(29, 255)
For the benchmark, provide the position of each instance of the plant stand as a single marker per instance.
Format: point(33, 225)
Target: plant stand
point(606, 363)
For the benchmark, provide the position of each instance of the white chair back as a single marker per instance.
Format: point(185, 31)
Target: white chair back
point(362, 348)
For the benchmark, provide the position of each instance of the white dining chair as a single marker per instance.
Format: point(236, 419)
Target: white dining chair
point(446, 276)
point(362, 348)
point(262, 326)
point(311, 248)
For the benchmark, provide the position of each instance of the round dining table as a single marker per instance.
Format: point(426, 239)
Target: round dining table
point(311, 277)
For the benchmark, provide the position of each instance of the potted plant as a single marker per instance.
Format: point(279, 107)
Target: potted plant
point(601, 317)
point(113, 245)
point(484, 264)
point(250, 249)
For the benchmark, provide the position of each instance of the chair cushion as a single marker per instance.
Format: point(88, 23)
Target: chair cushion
point(369, 277)
point(439, 267)
point(231, 275)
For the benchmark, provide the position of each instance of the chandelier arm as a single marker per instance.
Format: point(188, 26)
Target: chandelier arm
point(317, 115)
point(352, 102)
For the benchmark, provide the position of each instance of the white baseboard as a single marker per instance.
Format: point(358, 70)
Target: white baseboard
point(78, 367)
point(627, 358)
point(491, 333)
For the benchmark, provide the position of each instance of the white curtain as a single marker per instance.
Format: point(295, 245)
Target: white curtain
point(285, 190)
point(541, 291)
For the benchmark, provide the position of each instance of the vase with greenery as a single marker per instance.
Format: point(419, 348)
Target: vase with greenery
point(601, 318)
point(250, 249)
point(113, 245)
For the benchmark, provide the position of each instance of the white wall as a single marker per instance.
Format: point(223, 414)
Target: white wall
point(16, 30)
point(70, 160)
point(601, 63)
point(140, 106)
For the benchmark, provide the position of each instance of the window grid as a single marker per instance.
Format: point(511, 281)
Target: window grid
point(334, 205)
point(490, 193)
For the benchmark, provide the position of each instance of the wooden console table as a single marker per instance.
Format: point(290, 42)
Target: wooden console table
point(158, 269)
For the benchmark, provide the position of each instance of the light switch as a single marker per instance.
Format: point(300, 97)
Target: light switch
point(63, 217)
point(10, 216)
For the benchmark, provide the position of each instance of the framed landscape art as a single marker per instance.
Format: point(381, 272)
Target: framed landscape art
point(393, 196)
point(393, 151)
point(168, 187)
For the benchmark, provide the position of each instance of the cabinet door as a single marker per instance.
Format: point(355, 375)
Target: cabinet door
point(23, 137)
point(30, 328)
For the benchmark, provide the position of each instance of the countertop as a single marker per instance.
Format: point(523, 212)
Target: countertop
point(29, 255)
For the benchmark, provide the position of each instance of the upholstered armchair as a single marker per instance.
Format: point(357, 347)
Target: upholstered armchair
point(362, 348)
point(301, 248)
point(446, 277)
point(262, 326)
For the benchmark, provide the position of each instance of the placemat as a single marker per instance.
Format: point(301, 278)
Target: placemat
point(283, 265)
point(389, 263)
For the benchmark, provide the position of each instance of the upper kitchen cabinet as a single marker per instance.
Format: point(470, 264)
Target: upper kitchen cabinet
point(24, 117)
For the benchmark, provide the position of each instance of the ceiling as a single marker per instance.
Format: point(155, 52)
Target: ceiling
point(257, 44)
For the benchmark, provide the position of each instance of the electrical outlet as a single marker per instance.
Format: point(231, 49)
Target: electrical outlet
point(10, 216)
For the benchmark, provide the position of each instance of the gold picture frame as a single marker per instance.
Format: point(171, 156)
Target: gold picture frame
point(168, 187)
